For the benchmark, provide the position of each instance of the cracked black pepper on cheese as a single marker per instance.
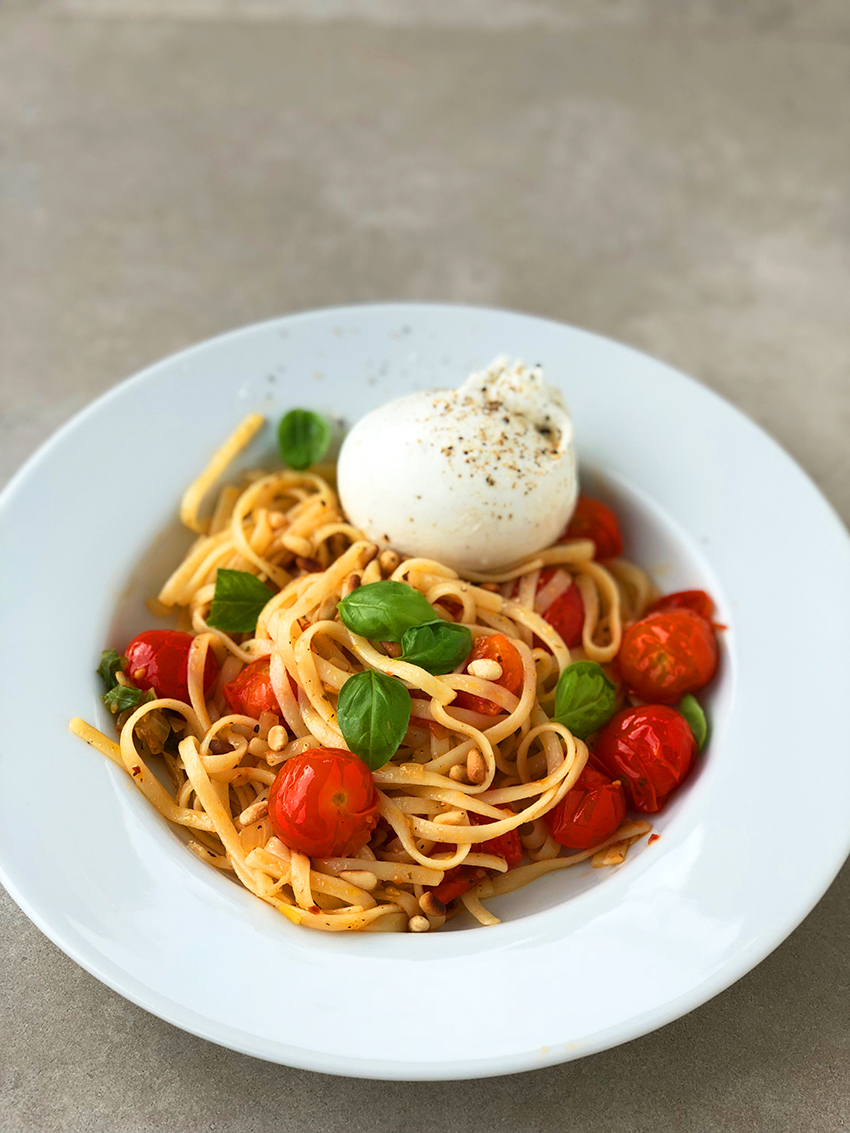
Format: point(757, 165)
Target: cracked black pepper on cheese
point(476, 477)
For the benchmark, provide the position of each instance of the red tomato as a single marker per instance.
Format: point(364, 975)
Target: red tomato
point(667, 654)
point(565, 615)
point(696, 600)
point(493, 647)
point(458, 881)
point(159, 659)
point(591, 812)
point(251, 692)
point(650, 750)
point(594, 520)
point(323, 803)
point(507, 846)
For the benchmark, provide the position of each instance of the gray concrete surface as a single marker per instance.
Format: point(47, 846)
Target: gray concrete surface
point(673, 173)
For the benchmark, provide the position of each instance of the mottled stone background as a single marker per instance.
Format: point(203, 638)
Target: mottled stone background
point(673, 173)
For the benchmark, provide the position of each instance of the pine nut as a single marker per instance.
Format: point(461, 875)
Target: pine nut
point(418, 924)
point(476, 767)
point(485, 669)
point(277, 738)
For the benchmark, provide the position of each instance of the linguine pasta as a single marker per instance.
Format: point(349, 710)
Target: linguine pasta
point(287, 528)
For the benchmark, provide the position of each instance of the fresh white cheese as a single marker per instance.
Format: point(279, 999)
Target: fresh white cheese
point(476, 478)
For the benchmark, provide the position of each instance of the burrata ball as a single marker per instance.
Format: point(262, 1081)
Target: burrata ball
point(476, 478)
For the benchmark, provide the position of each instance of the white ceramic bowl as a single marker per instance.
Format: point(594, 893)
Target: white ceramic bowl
point(584, 959)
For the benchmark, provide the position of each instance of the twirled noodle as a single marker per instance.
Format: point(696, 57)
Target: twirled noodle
point(288, 529)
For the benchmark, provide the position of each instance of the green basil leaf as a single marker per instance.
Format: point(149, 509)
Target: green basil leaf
point(373, 712)
point(125, 696)
point(585, 699)
point(110, 664)
point(691, 709)
point(437, 647)
point(238, 601)
point(384, 610)
point(303, 437)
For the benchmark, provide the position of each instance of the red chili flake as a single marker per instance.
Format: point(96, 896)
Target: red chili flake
point(653, 838)
point(137, 770)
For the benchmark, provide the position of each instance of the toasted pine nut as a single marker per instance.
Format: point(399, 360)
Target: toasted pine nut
point(388, 561)
point(418, 924)
point(310, 565)
point(451, 817)
point(391, 648)
point(432, 905)
point(362, 878)
point(351, 583)
point(485, 669)
point(253, 813)
point(277, 738)
point(476, 767)
point(458, 773)
point(371, 572)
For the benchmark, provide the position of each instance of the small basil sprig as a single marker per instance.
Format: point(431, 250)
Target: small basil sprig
point(691, 709)
point(437, 647)
point(584, 699)
point(303, 437)
point(383, 611)
point(110, 664)
point(238, 601)
point(373, 712)
point(122, 697)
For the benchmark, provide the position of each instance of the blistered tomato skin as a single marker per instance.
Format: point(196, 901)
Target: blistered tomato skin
point(507, 846)
point(588, 814)
point(251, 693)
point(667, 654)
point(323, 803)
point(696, 600)
point(159, 659)
point(594, 520)
point(650, 750)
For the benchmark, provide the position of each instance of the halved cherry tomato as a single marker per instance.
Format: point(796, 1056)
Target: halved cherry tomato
point(594, 520)
point(251, 692)
point(159, 659)
point(565, 615)
point(591, 812)
point(493, 647)
point(507, 846)
point(667, 654)
point(323, 803)
point(650, 750)
point(696, 600)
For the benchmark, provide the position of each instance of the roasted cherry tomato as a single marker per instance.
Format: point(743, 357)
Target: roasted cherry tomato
point(507, 846)
point(159, 659)
point(458, 881)
point(667, 654)
point(493, 647)
point(251, 692)
point(591, 812)
point(594, 520)
point(650, 750)
point(565, 615)
point(324, 803)
point(696, 600)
